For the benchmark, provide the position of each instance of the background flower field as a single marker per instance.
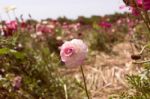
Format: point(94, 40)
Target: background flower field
point(31, 67)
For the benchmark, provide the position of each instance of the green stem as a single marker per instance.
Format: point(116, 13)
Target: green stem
point(85, 86)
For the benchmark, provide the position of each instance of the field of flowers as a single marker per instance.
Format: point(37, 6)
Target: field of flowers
point(86, 58)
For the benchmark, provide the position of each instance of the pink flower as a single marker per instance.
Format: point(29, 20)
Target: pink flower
point(122, 7)
point(105, 24)
point(132, 3)
point(73, 52)
point(146, 4)
point(139, 3)
point(23, 25)
point(43, 28)
point(12, 25)
point(135, 11)
point(17, 82)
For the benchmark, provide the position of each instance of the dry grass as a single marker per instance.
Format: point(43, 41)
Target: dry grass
point(105, 75)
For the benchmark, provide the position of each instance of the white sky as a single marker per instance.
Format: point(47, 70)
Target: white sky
point(40, 9)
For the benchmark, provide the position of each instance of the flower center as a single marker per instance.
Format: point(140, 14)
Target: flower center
point(68, 51)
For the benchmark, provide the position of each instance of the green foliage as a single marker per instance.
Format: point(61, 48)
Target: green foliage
point(35, 58)
point(139, 85)
point(36, 62)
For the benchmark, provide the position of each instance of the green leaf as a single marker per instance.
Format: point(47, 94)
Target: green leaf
point(4, 51)
point(18, 55)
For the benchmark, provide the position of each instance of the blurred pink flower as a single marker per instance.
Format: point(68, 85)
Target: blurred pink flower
point(23, 25)
point(12, 25)
point(73, 52)
point(105, 24)
point(17, 82)
point(43, 28)
point(146, 4)
point(139, 3)
point(122, 7)
point(135, 11)
point(131, 3)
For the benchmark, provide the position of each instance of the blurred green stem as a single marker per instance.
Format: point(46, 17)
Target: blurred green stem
point(85, 86)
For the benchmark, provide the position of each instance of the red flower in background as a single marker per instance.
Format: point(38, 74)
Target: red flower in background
point(43, 29)
point(135, 11)
point(131, 3)
point(23, 25)
point(10, 27)
point(146, 4)
point(140, 3)
point(105, 24)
